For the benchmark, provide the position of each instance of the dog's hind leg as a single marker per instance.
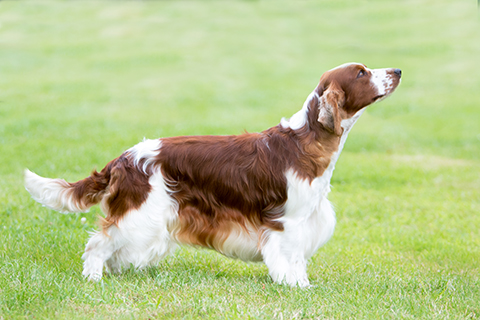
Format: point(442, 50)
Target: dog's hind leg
point(139, 238)
point(99, 249)
point(144, 238)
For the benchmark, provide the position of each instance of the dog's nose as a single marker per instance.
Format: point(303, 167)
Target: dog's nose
point(398, 72)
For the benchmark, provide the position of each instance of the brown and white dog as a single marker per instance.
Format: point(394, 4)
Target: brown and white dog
point(256, 196)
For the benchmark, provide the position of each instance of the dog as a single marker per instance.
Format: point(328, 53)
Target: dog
point(255, 196)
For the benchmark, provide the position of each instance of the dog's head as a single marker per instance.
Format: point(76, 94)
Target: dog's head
point(347, 89)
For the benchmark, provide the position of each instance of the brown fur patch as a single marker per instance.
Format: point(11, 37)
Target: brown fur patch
point(121, 185)
point(91, 190)
point(220, 180)
point(128, 189)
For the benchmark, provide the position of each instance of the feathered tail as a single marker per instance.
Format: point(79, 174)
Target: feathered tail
point(66, 197)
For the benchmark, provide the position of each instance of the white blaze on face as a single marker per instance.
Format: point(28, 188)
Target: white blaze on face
point(382, 81)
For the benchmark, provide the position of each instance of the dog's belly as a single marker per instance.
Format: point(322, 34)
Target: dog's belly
point(228, 231)
point(242, 244)
point(235, 238)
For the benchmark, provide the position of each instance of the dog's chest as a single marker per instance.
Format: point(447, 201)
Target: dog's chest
point(304, 197)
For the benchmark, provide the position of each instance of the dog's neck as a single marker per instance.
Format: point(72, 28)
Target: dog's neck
point(347, 125)
point(325, 144)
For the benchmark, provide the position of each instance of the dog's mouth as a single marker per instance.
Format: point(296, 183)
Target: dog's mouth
point(379, 97)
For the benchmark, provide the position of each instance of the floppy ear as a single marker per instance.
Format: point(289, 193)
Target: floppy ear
point(328, 113)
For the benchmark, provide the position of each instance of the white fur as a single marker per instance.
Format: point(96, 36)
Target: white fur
point(381, 80)
point(242, 245)
point(299, 119)
point(145, 150)
point(309, 222)
point(52, 193)
point(140, 239)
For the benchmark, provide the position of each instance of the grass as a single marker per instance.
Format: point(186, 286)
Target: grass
point(81, 82)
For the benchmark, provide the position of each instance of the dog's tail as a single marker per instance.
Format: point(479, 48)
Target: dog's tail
point(68, 197)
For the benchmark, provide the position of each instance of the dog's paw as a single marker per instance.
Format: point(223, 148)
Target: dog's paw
point(92, 269)
point(94, 277)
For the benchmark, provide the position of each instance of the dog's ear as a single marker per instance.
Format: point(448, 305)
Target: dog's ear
point(328, 114)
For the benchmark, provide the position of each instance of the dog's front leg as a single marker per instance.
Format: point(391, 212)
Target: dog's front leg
point(285, 260)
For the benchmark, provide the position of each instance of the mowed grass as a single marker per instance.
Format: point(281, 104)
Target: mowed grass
point(80, 82)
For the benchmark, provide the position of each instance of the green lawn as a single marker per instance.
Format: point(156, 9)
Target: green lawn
point(82, 81)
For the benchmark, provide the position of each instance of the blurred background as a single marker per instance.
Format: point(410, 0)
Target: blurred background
point(80, 82)
point(135, 69)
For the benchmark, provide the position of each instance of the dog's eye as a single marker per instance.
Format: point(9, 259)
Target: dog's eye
point(361, 73)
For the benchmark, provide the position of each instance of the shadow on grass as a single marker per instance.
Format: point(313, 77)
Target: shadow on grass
point(191, 266)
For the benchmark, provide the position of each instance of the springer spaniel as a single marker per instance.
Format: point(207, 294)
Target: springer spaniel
point(255, 196)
